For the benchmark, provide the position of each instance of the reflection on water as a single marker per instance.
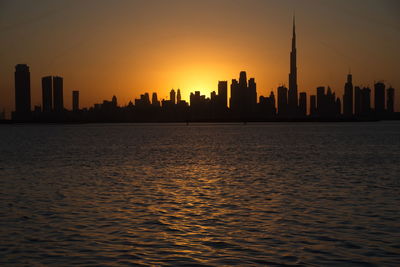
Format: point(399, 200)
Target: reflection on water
point(201, 194)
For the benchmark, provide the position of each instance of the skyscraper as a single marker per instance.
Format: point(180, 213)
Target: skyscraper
point(154, 100)
point(172, 97)
point(58, 97)
point(357, 101)
point(243, 79)
point(114, 101)
point(251, 96)
point(303, 104)
point(222, 94)
point(366, 101)
point(292, 95)
point(47, 94)
point(282, 101)
point(235, 96)
point(313, 105)
point(178, 96)
point(75, 101)
point(243, 100)
point(390, 100)
point(348, 97)
point(379, 98)
point(22, 91)
point(321, 103)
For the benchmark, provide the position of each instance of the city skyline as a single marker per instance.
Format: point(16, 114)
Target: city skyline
point(244, 105)
point(282, 65)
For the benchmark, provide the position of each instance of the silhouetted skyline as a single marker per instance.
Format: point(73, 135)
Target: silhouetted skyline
point(244, 105)
point(130, 47)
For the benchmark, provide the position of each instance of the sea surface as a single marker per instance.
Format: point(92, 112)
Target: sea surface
point(311, 194)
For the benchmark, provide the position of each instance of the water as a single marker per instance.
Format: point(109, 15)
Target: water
point(203, 194)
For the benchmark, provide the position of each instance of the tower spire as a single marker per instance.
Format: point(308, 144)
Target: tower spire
point(292, 93)
point(294, 32)
point(294, 23)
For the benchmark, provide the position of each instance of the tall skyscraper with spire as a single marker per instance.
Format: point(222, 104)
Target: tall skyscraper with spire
point(292, 94)
point(348, 96)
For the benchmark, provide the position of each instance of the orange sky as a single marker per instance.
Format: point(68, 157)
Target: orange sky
point(126, 48)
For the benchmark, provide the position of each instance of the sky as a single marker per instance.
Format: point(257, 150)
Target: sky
point(128, 47)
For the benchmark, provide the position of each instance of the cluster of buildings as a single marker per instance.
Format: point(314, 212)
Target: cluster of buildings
point(242, 105)
point(52, 97)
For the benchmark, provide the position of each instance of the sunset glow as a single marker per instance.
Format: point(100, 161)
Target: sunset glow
point(134, 47)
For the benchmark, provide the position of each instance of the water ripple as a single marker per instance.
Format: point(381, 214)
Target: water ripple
point(203, 195)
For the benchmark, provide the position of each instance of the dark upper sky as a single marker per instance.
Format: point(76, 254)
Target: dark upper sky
point(104, 47)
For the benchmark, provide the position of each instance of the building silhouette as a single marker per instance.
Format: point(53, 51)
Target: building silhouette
point(348, 97)
point(114, 101)
point(313, 106)
point(58, 95)
point(223, 94)
point(251, 97)
point(143, 101)
point(47, 94)
point(244, 103)
point(302, 104)
point(22, 92)
point(266, 106)
point(357, 101)
point(154, 100)
point(75, 101)
point(172, 96)
point(292, 93)
point(321, 101)
point(366, 101)
point(178, 96)
point(282, 101)
point(234, 100)
point(362, 101)
point(379, 98)
point(243, 94)
point(390, 100)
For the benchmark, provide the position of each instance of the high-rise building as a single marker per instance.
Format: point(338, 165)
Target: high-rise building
point(357, 101)
point(243, 95)
point(178, 96)
point(75, 101)
point(22, 91)
point(313, 105)
point(320, 100)
point(338, 109)
point(47, 94)
point(172, 97)
point(222, 94)
point(58, 97)
point(114, 101)
point(272, 99)
point(235, 96)
point(348, 97)
point(251, 96)
point(154, 100)
point(243, 79)
point(379, 97)
point(292, 94)
point(366, 101)
point(243, 100)
point(145, 98)
point(266, 106)
point(282, 101)
point(303, 104)
point(390, 100)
